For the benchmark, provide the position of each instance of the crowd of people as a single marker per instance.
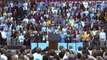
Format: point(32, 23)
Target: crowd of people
point(85, 53)
point(24, 22)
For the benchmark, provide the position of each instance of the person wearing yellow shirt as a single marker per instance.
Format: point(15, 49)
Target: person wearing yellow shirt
point(4, 14)
point(48, 23)
point(72, 21)
point(85, 36)
point(94, 32)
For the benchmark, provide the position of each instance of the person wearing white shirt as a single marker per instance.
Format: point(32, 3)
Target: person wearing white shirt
point(21, 39)
point(32, 20)
point(102, 35)
point(64, 4)
point(102, 38)
point(82, 24)
point(3, 57)
point(85, 4)
point(18, 27)
point(43, 29)
point(26, 20)
point(25, 6)
point(33, 11)
point(86, 12)
point(11, 4)
point(4, 35)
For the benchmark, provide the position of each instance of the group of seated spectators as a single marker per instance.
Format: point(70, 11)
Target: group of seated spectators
point(85, 53)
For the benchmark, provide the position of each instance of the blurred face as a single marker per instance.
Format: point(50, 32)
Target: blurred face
point(102, 30)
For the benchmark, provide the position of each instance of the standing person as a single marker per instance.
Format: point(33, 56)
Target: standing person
point(4, 37)
point(14, 38)
point(38, 37)
point(62, 36)
point(37, 55)
point(95, 42)
point(85, 38)
point(27, 38)
point(21, 39)
point(27, 41)
point(102, 38)
point(25, 7)
point(8, 37)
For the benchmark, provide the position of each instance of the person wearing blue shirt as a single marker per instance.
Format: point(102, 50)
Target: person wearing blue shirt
point(2, 18)
point(91, 15)
point(62, 36)
point(5, 27)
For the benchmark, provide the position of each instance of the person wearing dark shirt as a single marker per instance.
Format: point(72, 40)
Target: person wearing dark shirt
point(38, 37)
point(27, 39)
point(14, 38)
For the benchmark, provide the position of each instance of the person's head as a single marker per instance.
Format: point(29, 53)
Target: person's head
point(56, 57)
point(62, 53)
point(52, 52)
point(45, 57)
point(83, 57)
point(102, 30)
point(80, 48)
point(21, 56)
point(38, 50)
point(95, 53)
point(22, 49)
point(61, 47)
point(30, 56)
point(32, 16)
point(28, 51)
point(78, 55)
point(70, 47)
point(100, 53)
point(14, 57)
point(85, 52)
point(90, 48)
point(34, 50)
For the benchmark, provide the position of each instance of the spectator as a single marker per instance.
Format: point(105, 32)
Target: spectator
point(37, 55)
point(26, 21)
point(3, 54)
point(102, 38)
point(21, 39)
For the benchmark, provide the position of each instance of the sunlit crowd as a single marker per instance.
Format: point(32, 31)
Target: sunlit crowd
point(24, 22)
